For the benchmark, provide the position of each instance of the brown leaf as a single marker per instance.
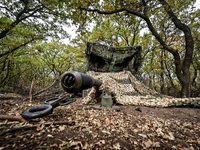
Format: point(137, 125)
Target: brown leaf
point(198, 140)
point(61, 128)
point(100, 143)
point(156, 144)
point(142, 135)
point(96, 123)
point(107, 121)
point(76, 143)
point(170, 136)
point(86, 146)
point(179, 147)
point(155, 126)
point(40, 127)
point(148, 143)
point(116, 146)
point(54, 145)
point(64, 143)
point(191, 148)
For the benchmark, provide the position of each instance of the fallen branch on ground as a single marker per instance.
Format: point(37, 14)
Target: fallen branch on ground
point(14, 118)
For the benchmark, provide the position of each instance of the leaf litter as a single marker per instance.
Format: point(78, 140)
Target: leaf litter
point(105, 129)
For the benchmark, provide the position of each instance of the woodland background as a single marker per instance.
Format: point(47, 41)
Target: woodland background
point(32, 37)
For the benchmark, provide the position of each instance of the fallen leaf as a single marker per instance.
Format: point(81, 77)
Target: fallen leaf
point(170, 136)
point(155, 126)
point(179, 147)
point(61, 128)
point(77, 126)
point(191, 148)
point(100, 143)
point(54, 145)
point(40, 127)
point(64, 143)
point(107, 121)
point(103, 141)
point(86, 130)
point(106, 132)
point(156, 144)
point(86, 146)
point(116, 146)
point(32, 136)
point(94, 135)
point(142, 135)
point(135, 142)
point(76, 144)
point(198, 140)
point(137, 130)
point(96, 123)
point(148, 143)
point(49, 135)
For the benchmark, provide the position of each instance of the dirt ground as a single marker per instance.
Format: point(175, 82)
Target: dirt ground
point(78, 126)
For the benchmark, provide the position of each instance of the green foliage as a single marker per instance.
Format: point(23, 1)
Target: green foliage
point(42, 62)
point(28, 21)
point(25, 54)
point(26, 26)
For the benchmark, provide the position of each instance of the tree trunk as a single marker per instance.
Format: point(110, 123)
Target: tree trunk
point(182, 69)
point(185, 91)
point(162, 73)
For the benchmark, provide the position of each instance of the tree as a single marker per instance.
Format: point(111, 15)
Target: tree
point(148, 10)
point(32, 20)
point(22, 24)
point(195, 69)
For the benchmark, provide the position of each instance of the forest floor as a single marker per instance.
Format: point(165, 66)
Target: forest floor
point(78, 126)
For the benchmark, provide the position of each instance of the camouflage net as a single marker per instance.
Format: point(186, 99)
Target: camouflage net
point(127, 90)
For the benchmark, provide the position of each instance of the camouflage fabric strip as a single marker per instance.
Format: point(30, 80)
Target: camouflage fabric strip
point(127, 90)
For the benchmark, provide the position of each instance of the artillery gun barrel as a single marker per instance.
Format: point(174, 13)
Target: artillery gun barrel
point(73, 81)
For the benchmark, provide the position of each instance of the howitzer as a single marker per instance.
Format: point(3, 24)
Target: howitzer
point(73, 81)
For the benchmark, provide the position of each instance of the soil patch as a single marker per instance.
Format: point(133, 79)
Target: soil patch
point(133, 127)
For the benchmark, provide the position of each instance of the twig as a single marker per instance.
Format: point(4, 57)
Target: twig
point(70, 123)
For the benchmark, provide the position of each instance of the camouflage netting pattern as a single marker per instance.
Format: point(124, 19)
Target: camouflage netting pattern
point(102, 58)
point(127, 90)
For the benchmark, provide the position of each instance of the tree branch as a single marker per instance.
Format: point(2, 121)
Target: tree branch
point(14, 49)
point(18, 20)
point(103, 12)
point(183, 27)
